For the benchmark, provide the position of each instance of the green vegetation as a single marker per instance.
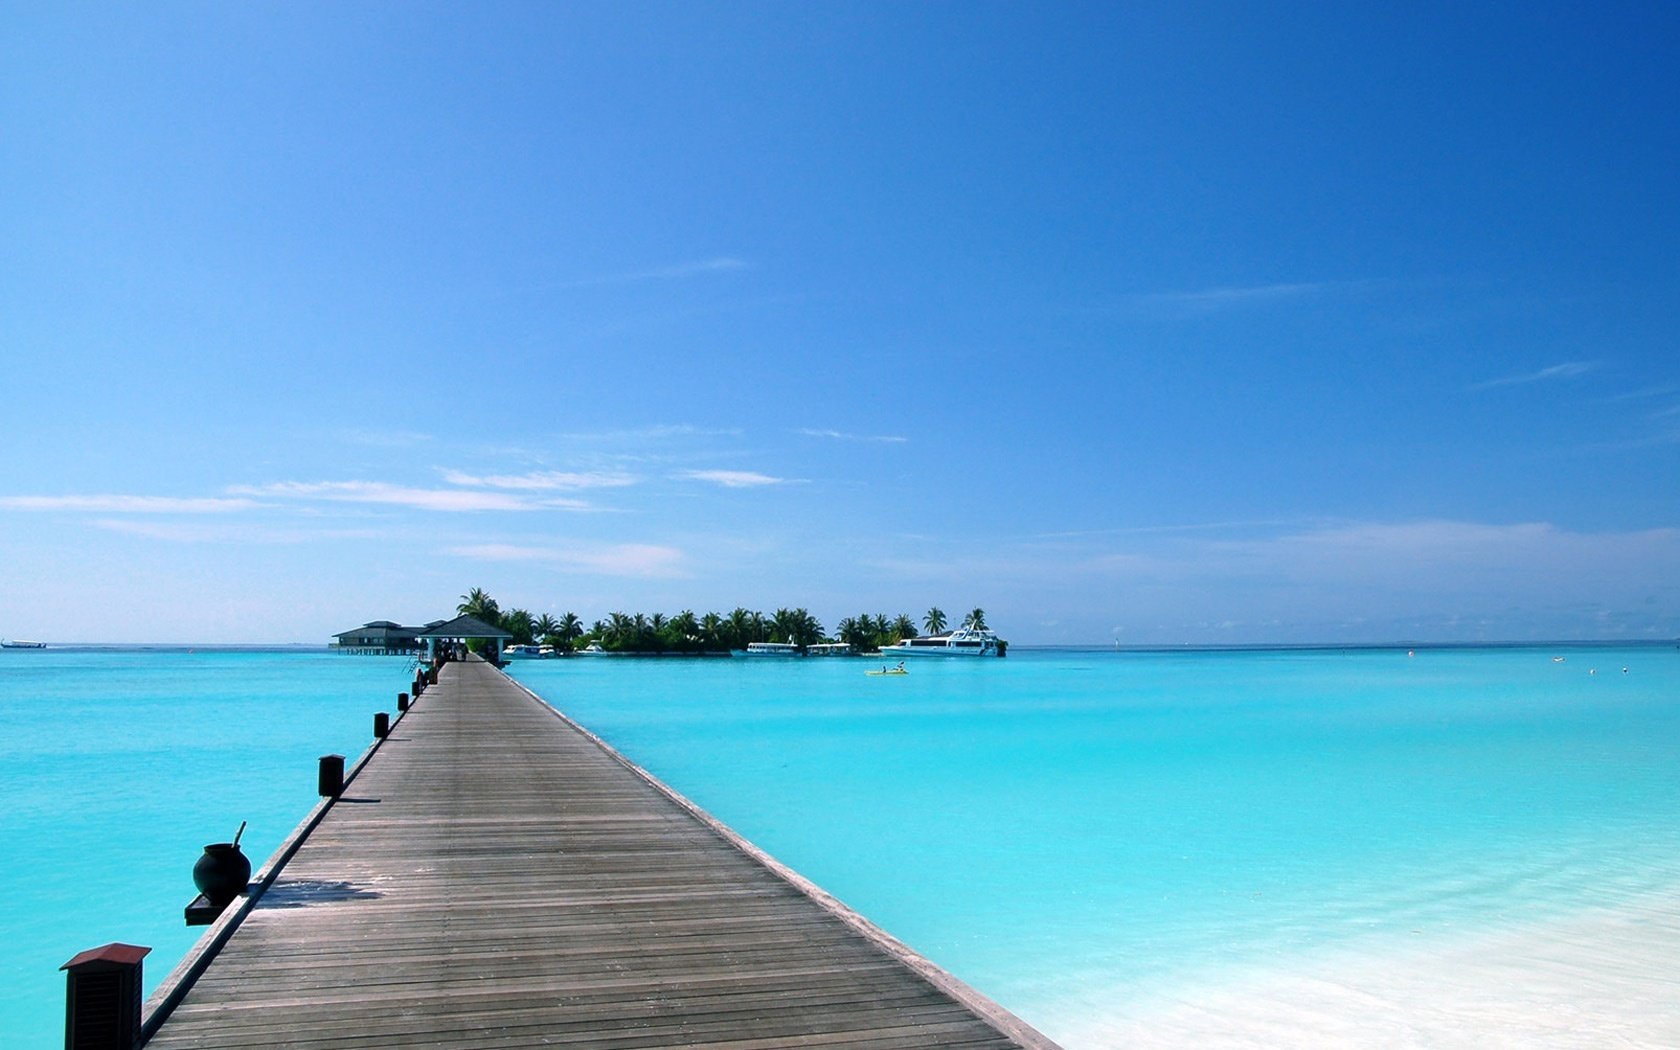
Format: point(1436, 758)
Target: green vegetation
point(709, 633)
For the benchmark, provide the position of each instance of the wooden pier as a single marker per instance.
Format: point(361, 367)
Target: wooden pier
point(494, 876)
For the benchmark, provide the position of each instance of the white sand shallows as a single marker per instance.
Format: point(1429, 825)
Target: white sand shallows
point(1605, 978)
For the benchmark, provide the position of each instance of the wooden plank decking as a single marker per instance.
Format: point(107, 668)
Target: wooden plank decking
point(495, 877)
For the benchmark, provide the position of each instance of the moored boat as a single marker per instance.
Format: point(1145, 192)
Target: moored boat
point(19, 644)
point(964, 641)
point(773, 649)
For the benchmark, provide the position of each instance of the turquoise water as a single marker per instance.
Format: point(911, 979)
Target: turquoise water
point(1070, 832)
point(1074, 831)
point(118, 766)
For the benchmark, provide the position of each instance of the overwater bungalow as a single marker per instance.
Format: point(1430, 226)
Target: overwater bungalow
point(380, 638)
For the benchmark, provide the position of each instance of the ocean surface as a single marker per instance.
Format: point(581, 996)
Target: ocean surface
point(117, 766)
point(1107, 843)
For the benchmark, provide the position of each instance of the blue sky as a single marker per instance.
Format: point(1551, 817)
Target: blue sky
point(1150, 322)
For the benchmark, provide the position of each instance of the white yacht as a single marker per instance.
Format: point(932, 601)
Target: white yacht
point(965, 641)
point(772, 649)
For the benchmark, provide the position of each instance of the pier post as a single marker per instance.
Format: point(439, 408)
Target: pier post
point(102, 998)
point(331, 778)
point(381, 725)
point(402, 701)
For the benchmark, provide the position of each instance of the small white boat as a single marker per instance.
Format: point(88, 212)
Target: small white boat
point(965, 641)
point(523, 652)
point(19, 644)
point(593, 649)
point(772, 649)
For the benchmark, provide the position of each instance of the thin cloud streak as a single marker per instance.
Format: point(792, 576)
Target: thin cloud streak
point(1565, 370)
point(842, 436)
point(386, 438)
point(1151, 530)
point(1221, 298)
point(205, 532)
point(733, 479)
point(638, 560)
point(1643, 394)
point(541, 480)
point(379, 492)
point(113, 504)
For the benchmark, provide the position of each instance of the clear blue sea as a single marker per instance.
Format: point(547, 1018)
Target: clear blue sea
point(1070, 832)
point(117, 766)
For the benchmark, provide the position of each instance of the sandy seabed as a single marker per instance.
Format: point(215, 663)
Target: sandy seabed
point(1603, 978)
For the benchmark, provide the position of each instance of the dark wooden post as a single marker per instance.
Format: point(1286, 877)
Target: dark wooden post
point(102, 998)
point(331, 780)
point(381, 725)
point(402, 701)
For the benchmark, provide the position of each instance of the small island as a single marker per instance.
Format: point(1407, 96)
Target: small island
point(795, 631)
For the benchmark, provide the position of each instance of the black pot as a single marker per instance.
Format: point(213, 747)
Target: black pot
point(222, 873)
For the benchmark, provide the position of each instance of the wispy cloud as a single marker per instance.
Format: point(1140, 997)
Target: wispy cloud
point(733, 479)
point(110, 504)
point(379, 492)
point(1566, 370)
point(230, 532)
point(1149, 530)
point(541, 480)
point(1642, 394)
point(695, 268)
point(838, 435)
point(661, 432)
point(625, 559)
point(385, 438)
point(1230, 296)
point(1433, 557)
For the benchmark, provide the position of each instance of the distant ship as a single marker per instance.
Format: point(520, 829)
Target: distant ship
point(16, 644)
point(966, 641)
point(773, 649)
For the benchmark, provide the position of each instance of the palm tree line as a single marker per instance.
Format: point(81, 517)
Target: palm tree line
point(686, 632)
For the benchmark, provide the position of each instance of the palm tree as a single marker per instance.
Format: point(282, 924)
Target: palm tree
point(545, 627)
point(740, 624)
point(883, 630)
point(685, 628)
point(804, 629)
point(847, 631)
point(618, 630)
point(904, 627)
point(476, 603)
point(711, 629)
point(934, 621)
point(519, 623)
point(569, 629)
point(976, 620)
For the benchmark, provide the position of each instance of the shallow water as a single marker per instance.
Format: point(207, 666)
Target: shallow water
point(1093, 839)
point(119, 765)
point(1083, 835)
